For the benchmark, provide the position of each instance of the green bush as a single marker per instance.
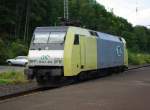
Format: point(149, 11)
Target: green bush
point(11, 50)
point(138, 58)
point(12, 78)
point(17, 49)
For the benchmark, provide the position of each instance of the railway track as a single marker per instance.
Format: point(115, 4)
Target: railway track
point(22, 93)
point(134, 68)
point(39, 89)
point(34, 90)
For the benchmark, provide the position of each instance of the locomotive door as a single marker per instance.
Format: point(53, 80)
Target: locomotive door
point(82, 52)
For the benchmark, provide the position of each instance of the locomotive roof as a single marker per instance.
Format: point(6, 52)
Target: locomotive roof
point(52, 28)
point(110, 37)
point(101, 35)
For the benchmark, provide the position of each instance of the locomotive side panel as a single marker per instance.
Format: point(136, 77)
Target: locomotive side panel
point(68, 52)
point(110, 51)
point(88, 53)
point(125, 54)
point(73, 56)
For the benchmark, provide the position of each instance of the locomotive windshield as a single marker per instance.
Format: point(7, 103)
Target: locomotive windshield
point(49, 37)
point(56, 37)
point(41, 37)
point(43, 40)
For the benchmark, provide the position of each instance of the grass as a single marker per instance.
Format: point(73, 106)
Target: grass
point(138, 58)
point(12, 78)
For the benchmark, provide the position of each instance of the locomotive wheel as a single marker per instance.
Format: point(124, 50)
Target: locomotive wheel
point(40, 80)
point(47, 80)
point(83, 76)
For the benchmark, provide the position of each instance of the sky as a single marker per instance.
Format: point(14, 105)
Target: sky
point(136, 12)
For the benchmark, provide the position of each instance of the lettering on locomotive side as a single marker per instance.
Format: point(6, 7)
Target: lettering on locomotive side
point(45, 58)
point(119, 51)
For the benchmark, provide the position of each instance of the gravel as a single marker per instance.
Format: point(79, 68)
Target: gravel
point(12, 88)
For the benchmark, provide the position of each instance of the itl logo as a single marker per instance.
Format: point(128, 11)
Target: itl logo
point(45, 57)
point(119, 51)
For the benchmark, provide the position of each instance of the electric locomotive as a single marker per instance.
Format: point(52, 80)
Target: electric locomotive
point(67, 51)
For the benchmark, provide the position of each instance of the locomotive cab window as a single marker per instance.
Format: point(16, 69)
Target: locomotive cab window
point(76, 40)
point(49, 37)
point(44, 40)
point(41, 37)
point(120, 39)
point(57, 37)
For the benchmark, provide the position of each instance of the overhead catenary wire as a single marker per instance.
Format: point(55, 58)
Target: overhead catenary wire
point(66, 10)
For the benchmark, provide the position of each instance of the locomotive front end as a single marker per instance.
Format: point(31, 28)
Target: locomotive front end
point(46, 54)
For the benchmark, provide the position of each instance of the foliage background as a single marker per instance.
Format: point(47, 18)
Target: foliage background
point(18, 19)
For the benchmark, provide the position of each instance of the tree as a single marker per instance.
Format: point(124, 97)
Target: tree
point(18, 20)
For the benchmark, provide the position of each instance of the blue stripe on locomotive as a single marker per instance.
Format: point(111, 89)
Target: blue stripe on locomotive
point(110, 51)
